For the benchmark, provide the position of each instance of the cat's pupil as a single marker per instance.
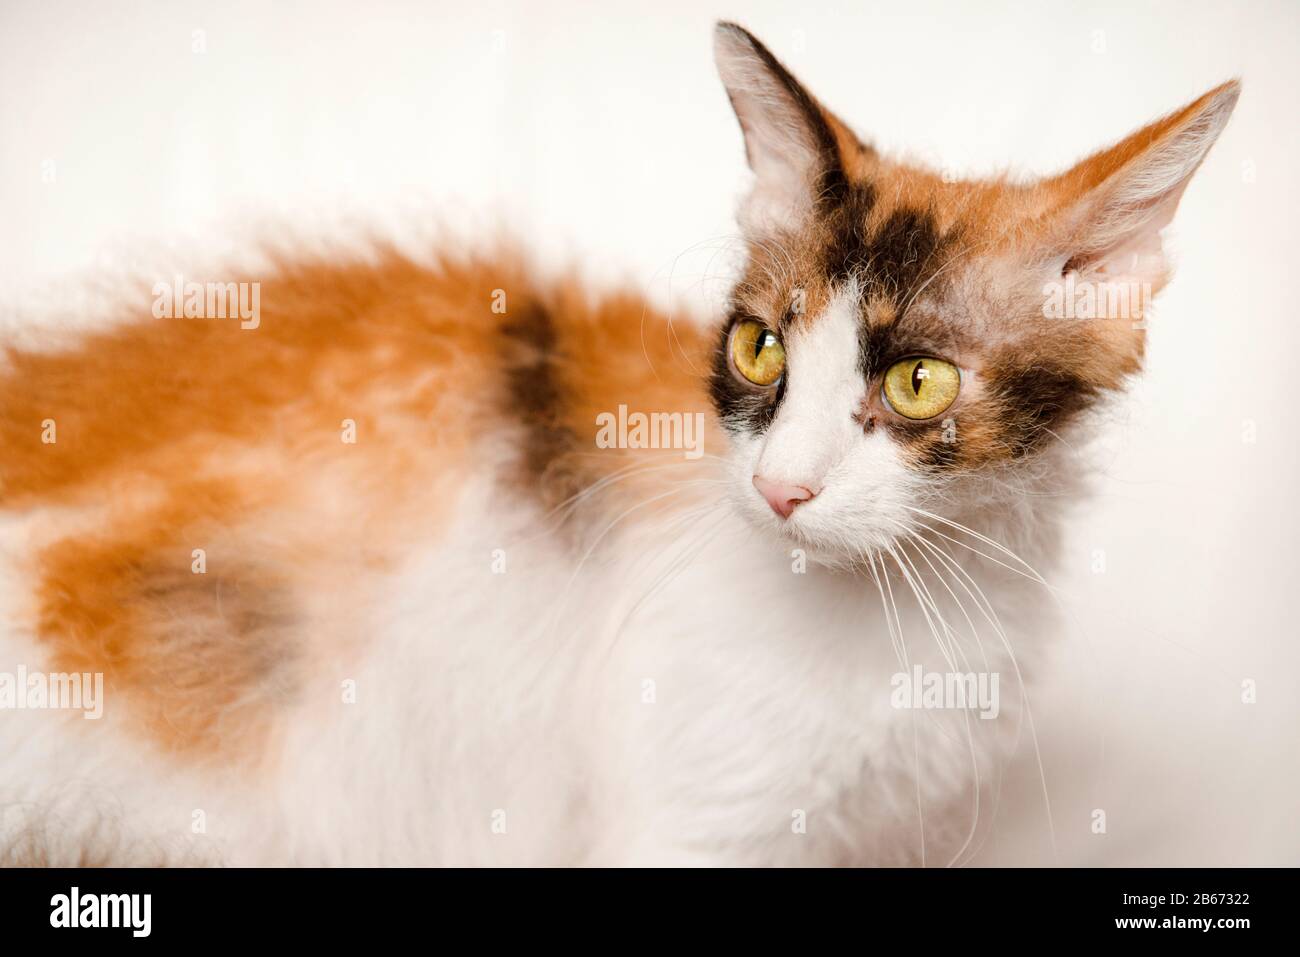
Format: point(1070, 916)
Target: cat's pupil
point(918, 377)
point(761, 343)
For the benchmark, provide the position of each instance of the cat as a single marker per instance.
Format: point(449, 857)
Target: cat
point(441, 561)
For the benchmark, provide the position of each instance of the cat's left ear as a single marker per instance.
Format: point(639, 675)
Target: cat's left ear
point(796, 148)
point(1110, 209)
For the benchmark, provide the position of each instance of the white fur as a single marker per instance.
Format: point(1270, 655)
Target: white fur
point(505, 693)
point(815, 442)
point(685, 692)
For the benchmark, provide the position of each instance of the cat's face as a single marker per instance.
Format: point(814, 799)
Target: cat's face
point(900, 342)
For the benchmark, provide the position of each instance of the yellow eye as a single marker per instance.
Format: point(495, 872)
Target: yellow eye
point(920, 388)
point(756, 352)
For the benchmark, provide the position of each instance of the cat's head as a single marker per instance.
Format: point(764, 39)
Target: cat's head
point(900, 339)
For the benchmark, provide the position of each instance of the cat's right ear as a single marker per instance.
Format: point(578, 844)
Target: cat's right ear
point(790, 140)
point(1112, 207)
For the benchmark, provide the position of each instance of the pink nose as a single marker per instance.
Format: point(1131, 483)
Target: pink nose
point(783, 498)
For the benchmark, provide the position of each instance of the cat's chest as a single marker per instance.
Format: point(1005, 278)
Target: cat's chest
point(748, 686)
point(707, 678)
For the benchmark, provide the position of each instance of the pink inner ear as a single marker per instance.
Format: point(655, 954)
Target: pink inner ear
point(1137, 250)
point(1115, 203)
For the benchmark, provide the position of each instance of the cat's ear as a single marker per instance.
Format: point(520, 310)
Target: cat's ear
point(1111, 208)
point(792, 143)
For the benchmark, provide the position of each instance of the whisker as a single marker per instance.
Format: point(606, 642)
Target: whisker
point(969, 727)
point(979, 536)
point(990, 613)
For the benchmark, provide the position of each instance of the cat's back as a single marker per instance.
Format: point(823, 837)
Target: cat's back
point(222, 518)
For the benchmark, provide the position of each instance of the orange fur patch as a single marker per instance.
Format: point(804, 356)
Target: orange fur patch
point(178, 434)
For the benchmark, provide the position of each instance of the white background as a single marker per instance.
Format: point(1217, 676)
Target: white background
point(599, 134)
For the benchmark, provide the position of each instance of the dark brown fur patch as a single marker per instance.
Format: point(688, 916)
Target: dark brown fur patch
point(1035, 400)
point(535, 395)
point(567, 360)
point(894, 258)
point(831, 184)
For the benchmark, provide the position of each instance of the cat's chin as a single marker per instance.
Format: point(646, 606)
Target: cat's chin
point(833, 557)
point(804, 544)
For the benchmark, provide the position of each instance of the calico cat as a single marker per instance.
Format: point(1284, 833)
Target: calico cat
point(435, 561)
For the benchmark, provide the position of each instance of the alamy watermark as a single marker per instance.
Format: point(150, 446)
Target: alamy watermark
point(1073, 298)
point(946, 690)
point(654, 430)
point(209, 300)
point(82, 691)
point(130, 911)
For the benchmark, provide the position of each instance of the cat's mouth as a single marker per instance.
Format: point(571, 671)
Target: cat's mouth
point(819, 532)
